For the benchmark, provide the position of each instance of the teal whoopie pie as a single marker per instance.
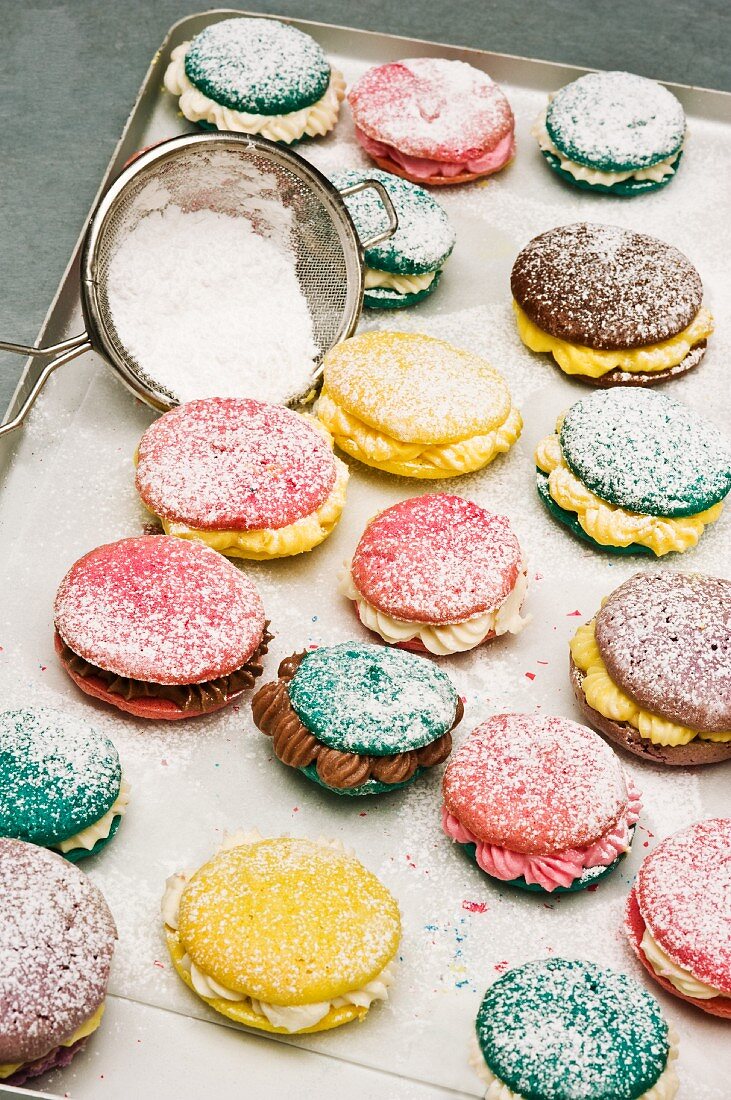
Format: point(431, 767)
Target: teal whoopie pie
point(613, 132)
point(665, 466)
point(562, 1029)
point(61, 783)
point(359, 719)
point(405, 268)
point(258, 76)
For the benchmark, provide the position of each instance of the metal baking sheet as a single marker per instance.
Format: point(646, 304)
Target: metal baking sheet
point(68, 486)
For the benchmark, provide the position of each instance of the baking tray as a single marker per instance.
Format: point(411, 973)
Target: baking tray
point(68, 486)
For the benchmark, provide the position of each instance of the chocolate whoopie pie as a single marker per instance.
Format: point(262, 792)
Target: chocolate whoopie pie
point(652, 670)
point(613, 307)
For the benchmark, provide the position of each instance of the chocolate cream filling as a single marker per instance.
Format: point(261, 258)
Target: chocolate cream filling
point(295, 746)
point(189, 697)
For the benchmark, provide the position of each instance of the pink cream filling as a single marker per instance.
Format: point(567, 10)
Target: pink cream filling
point(549, 871)
point(424, 169)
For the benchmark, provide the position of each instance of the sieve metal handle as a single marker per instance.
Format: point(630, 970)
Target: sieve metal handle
point(62, 353)
point(385, 198)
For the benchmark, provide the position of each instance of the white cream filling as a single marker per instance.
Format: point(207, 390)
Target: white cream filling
point(656, 172)
point(98, 830)
point(403, 284)
point(682, 979)
point(448, 638)
point(290, 1017)
point(313, 121)
point(665, 1088)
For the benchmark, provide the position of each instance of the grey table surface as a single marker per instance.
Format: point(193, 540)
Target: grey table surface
point(69, 72)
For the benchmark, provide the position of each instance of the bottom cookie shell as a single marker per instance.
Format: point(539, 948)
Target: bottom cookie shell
point(635, 929)
point(372, 786)
point(619, 377)
point(570, 520)
point(625, 189)
point(383, 298)
point(56, 1059)
point(434, 181)
point(590, 877)
point(627, 737)
point(76, 855)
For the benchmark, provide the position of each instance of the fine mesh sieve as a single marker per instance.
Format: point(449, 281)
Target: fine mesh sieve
point(284, 199)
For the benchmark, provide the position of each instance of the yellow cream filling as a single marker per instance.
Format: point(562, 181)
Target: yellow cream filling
point(577, 359)
point(7, 1068)
point(603, 695)
point(610, 525)
point(375, 448)
point(403, 284)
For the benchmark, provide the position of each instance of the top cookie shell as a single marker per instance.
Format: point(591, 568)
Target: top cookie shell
point(159, 609)
point(233, 464)
point(415, 388)
point(535, 785)
point(288, 921)
point(615, 122)
point(257, 65)
point(58, 775)
point(666, 641)
point(431, 107)
point(683, 890)
point(436, 559)
point(640, 450)
point(424, 238)
point(362, 698)
point(604, 287)
point(560, 1028)
point(56, 943)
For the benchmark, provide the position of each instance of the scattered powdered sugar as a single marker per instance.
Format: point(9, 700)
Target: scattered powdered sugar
point(616, 121)
point(257, 65)
point(431, 107)
point(641, 450)
point(197, 299)
point(234, 464)
point(666, 640)
point(56, 942)
point(436, 558)
point(605, 287)
point(535, 785)
point(683, 891)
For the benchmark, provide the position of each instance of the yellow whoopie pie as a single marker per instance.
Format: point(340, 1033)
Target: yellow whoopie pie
point(285, 935)
point(415, 406)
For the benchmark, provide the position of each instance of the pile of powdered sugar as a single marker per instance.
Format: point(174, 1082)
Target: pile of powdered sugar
point(208, 308)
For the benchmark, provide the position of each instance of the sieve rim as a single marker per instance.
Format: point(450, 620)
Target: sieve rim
point(96, 327)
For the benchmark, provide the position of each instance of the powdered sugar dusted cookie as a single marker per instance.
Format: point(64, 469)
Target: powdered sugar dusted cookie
point(634, 472)
point(438, 574)
point(56, 943)
point(359, 719)
point(568, 1028)
point(415, 406)
point(61, 782)
point(249, 479)
point(613, 132)
point(284, 935)
point(256, 76)
point(613, 307)
point(652, 670)
point(406, 268)
point(160, 627)
point(432, 120)
point(540, 803)
point(677, 915)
